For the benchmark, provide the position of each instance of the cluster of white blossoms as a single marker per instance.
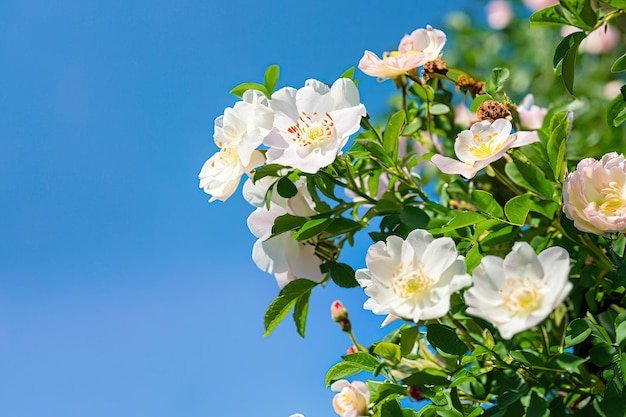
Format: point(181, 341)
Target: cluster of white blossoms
point(304, 129)
point(413, 279)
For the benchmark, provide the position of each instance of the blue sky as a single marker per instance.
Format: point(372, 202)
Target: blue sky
point(122, 291)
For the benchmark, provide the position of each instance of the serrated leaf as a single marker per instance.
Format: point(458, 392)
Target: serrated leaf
point(517, 208)
point(271, 78)
point(445, 339)
point(620, 335)
point(391, 408)
point(342, 370)
point(366, 361)
point(243, 87)
point(341, 274)
point(381, 390)
point(461, 219)
point(286, 188)
point(408, 337)
point(427, 377)
point(529, 177)
point(537, 407)
point(495, 83)
point(392, 131)
point(300, 312)
point(548, 16)
point(484, 201)
point(286, 300)
point(567, 361)
point(389, 351)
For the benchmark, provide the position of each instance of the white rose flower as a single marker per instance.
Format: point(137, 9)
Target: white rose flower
point(238, 132)
point(481, 145)
point(313, 124)
point(521, 290)
point(413, 278)
point(594, 195)
point(282, 255)
point(353, 398)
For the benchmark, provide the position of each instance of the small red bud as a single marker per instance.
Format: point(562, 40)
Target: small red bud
point(338, 312)
point(350, 350)
point(415, 393)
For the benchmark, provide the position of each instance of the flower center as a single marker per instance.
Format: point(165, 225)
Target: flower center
point(227, 156)
point(408, 282)
point(483, 146)
point(613, 200)
point(522, 296)
point(307, 132)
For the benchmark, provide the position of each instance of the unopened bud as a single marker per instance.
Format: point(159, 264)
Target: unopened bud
point(338, 312)
point(415, 393)
point(351, 350)
point(345, 325)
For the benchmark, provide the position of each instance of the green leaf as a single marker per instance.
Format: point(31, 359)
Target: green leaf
point(427, 377)
point(414, 217)
point(478, 101)
point(286, 188)
point(494, 84)
point(341, 274)
point(364, 360)
point(620, 64)
point(408, 337)
point(567, 361)
point(271, 78)
point(392, 131)
point(557, 142)
point(341, 225)
point(391, 408)
point(300, 311)
point(485, 202)
point(445, 339)
point(268, 170)
point(461, 219)
point(311, 229)
point(286, 300)
point(342, 370)
point(389, 351)
point(377, 152)
point(517, 209)
point(620, 335)
point(548, 16)
point(537, 406)
point(618, 4)
point(381, 390)
point(602, 354)
point(564, 60)
point(287, 222)
point(349, 73)
point(616, 112)
point(577, 331)
point(243, 87)
point(581, 14)
point(529, 177)
point(439, 108)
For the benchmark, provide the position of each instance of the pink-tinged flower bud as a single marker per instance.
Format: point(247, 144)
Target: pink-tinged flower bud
point(353, 398)
point(351, 350)
point(338, 312)
point(594, 195)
